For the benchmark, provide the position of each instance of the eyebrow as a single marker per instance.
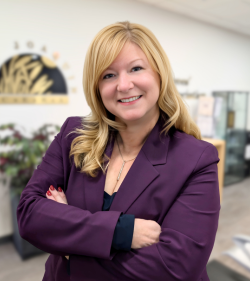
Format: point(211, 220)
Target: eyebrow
point(110, 68)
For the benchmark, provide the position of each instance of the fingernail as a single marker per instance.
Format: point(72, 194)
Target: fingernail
point(49, 193)
point(52, 187)
point(59, 189)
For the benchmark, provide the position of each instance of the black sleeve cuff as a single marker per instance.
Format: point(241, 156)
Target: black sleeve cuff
point(68, 266)
point(123, 233)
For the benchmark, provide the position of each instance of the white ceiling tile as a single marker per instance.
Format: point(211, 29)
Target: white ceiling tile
point(202, 4)
point(243, 20)
point(230, 10)
point(244, 30)
point(152, 2)
point(174, 6)
point(230, 14)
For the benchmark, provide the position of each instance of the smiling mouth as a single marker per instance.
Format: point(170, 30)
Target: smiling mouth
point(129, 100)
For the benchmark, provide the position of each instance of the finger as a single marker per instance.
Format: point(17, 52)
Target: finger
point(51, 197)
point(61, 193)
point(56, 195)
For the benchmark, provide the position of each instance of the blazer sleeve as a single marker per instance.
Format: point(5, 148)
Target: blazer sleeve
point(186, 240)
point(57, 228)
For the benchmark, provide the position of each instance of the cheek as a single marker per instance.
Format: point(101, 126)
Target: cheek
point(151, 86)
point(107, 91)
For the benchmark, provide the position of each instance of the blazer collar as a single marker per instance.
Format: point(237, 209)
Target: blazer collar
point(140, 175)
point(155, 147)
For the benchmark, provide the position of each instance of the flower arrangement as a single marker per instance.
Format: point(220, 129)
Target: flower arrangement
point(25, 154)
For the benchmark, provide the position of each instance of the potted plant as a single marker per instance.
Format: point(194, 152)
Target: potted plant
point(18, 163)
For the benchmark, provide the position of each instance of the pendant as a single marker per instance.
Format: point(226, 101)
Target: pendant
point(121, 170)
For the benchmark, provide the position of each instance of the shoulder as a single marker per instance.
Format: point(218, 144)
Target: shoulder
point(181, 138)
point(69, 126)
point(73, 122)
point(197, 153)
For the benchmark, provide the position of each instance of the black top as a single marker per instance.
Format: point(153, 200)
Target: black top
point(124, 229)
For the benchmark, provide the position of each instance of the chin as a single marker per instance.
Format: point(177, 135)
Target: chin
point(131, 117)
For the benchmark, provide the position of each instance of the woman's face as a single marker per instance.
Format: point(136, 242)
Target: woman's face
point(130, 76)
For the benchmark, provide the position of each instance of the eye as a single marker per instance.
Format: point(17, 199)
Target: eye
point(136, 68)
point(107, 76)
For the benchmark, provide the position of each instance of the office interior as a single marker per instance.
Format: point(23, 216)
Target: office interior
point(208, 45)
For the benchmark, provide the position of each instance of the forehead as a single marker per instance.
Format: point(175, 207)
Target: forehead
point(129, 53)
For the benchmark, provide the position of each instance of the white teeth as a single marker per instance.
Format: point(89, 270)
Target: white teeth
point(131, 99)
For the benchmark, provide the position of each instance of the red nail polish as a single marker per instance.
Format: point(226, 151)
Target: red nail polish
point(49, 193)
point(52, 187)
point(59, 189)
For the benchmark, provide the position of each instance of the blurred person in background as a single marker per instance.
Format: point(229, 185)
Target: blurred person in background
point(133, 190)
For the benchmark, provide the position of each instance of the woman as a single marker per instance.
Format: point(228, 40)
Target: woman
point(139, 150)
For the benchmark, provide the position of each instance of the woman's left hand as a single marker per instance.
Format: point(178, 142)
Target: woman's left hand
point(58, 196)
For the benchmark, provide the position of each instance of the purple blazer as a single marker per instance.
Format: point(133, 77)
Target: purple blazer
point(173, 181)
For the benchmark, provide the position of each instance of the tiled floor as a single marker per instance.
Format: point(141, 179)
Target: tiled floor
point(12, 268)
point(234, 219)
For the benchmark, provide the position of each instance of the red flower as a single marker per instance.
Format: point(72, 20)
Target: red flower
point(3, 160)
point(39, 137)
point(17, 135)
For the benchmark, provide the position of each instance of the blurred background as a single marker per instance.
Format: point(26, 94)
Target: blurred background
point(42, 51)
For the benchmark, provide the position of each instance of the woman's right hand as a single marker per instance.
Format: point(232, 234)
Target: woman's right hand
point(146, 233)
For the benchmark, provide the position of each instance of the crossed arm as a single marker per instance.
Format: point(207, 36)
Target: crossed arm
point(57, 196)
point(186, 240)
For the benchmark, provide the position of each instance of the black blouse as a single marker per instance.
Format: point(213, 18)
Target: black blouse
point(124, 229)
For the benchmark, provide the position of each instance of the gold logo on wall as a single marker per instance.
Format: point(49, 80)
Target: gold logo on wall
point(33, 78)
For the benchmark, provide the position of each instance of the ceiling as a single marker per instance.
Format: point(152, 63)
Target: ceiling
point(230, 14)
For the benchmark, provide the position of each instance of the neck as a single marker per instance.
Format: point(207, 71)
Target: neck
point(132, 139)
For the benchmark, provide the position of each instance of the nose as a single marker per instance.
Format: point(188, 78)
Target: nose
point(124, 83)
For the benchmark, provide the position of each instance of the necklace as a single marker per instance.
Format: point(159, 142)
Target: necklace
point(122, 160)
point(123, 163)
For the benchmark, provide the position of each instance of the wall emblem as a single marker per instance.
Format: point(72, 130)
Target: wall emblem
point(33, 78)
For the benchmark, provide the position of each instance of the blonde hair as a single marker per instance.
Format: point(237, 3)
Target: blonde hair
point(88, 148)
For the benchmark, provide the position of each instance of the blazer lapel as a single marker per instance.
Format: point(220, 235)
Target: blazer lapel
point(140, 175)
point(142, 172)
